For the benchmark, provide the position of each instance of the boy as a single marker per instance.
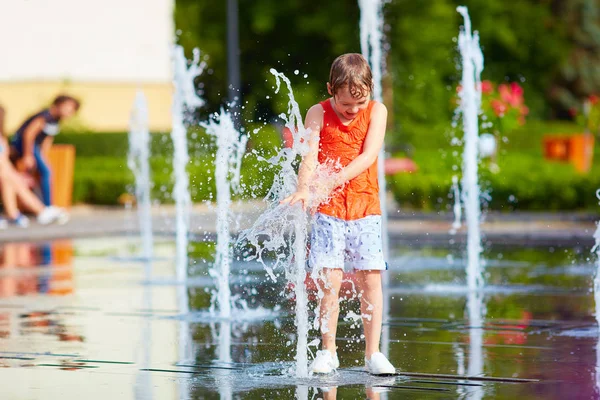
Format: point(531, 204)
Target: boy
point(33, 140)
point(347, 132)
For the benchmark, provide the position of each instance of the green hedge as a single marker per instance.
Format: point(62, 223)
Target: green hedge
point(102, 180)
point(102, 175)
point(524, 182)
point(115, 144)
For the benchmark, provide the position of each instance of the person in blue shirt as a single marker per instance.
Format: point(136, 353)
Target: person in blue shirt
point(32, 141)
point(15, 195)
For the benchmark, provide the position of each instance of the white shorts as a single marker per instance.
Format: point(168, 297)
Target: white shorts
point(356, 245)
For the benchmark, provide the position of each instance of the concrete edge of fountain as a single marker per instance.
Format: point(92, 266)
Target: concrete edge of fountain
point(415, 232)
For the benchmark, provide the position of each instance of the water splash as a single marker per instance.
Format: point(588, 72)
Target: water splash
point(241, 313)
point(281, 229)
point(371, 44)
point(137, 161)
point(231, 146)
point(185, 101)
point(371, 38)
point(596, 250)
point(185, 342)
point(476, 315)
point(457, 208)
point(459, 355)
point(470, 106)
point(224, 352)
point(143, 380)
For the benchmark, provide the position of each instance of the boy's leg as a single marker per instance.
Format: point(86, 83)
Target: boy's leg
point(330, 283)
point(371, 308)
point(45, 177)
point(372, 394)
point(28, 201)
point(330, 394)
point(7, 190)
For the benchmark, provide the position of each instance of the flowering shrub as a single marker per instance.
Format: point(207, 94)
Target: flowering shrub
point(504, 105)
point(589, 119)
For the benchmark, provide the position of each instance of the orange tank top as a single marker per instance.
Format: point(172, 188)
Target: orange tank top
point(340, 144)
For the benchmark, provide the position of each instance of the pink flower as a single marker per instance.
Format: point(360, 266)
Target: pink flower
point(504, 91)
point(512, 95)
point(516, 89)
point(487, 87)
point(499, 107)
point(505, 102)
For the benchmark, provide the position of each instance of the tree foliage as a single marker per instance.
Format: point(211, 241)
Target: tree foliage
point(522, 40)
point(579, 74)
point(286, 35)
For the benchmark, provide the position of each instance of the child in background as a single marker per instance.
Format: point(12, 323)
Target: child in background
point(347, 132)
point(32, 141)
point(14, 193)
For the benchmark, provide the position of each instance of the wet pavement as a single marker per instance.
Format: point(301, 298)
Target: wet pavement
point(85, 318)
point(415, 228)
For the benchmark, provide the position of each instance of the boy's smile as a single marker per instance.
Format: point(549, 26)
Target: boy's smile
point(346, 106)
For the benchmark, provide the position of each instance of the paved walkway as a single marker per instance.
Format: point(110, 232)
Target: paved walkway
point(100, 323)
point(404, 226)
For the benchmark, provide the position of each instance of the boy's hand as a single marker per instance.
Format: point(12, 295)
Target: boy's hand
point(28, 162)
point(299, 196)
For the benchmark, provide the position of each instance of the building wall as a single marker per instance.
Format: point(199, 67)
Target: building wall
point(101, 51)
point(106, 107)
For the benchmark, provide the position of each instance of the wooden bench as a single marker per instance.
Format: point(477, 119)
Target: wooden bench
point(62, 164)
point(576, 149)
point(61, 160)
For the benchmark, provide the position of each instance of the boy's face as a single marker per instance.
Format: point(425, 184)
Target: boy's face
point(348, 106)
point(67, 109)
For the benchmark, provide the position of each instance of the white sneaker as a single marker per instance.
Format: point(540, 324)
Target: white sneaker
point(379, 365)
point(21, 221)
point(324, 362)
point(53, 214)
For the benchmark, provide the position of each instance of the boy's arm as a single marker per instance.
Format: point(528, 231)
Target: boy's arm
point(371, 147)
point(46, 145)
point(314, 121)
point(34, 128)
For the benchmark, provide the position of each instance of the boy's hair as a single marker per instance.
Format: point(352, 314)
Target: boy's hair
point(351, 70)
point(63, 98)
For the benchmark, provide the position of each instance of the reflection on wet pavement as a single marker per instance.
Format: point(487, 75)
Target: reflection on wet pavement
point(67, 308)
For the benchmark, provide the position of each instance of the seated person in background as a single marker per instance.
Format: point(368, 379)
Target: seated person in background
point(32, 141)
point(14, 193)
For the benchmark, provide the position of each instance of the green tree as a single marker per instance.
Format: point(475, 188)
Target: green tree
point(579, 75)
point(291, 35)
point(522, 40)
point(422, 65)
